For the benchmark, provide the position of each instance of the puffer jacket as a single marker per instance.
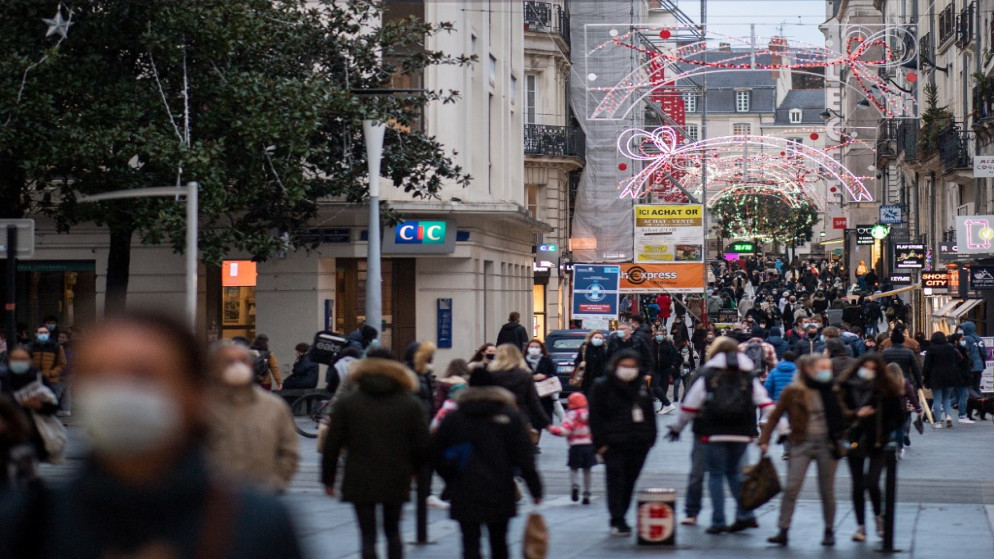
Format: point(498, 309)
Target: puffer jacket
point(478, 449)
point(251, 437)
point(576, 427)
point(612, 421)
point(779, 378)
point(49, 358)
point(384, 427)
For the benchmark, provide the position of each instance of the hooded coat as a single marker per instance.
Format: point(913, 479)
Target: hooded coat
point(383, 426)
point(612, 422)
point(779, 378)
point(944, 366)
point(776, 340)
point(478, 449)
point(974, 346)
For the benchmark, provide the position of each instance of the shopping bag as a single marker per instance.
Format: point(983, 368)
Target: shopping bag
point(536, 540)
point(761, 484)
point(548, 387)
point(576, 378)
point(53, 434)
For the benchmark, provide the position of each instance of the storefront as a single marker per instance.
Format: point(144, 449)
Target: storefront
point(62, 288)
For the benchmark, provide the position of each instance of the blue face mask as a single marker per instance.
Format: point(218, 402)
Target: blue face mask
point(42, 338)
point(20, 367)
point(962, 343)
point(597, 342)
point(824, 376)
point(659, 338)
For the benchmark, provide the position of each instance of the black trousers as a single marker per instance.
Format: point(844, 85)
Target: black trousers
point(866, 480)
point(660, 384)
point(622, 467)
point(472, 532)
point(366, 515)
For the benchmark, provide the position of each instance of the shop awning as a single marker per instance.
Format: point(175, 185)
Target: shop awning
point(893, 292)
point(944, 309)
point(966, 307)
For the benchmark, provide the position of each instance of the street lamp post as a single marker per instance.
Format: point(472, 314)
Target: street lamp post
point(373, 133)
point(191, 191)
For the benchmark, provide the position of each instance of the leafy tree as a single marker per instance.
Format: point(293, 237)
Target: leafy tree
point(763, 216)
point(259, 101)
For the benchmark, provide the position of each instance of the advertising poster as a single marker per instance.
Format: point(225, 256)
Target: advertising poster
point(656, 278)
point(982, 278)
point(595, 293)
point(987, 379)
point(974, 234)
point(909, 255)
point(669, 233)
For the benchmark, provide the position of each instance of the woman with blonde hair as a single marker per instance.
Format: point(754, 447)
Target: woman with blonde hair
point(592, 356)
point(817, 422)
point(510, 371)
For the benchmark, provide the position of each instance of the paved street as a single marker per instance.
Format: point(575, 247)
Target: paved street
point(945, 494)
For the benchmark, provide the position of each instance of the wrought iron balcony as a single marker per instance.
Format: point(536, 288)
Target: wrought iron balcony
point(907, 139)
point(964, 24)
point(546, 17)
point(954, 148)
point(555, 141)
point(983, 102)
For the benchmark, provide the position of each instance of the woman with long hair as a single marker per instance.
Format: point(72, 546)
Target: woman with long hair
point(483, 356)
point(592, 355)
point(874, 398)
point(812, 405)
point(511, 372)
point(541, 366)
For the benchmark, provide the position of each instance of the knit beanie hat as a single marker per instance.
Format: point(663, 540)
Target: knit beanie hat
point(577, 400)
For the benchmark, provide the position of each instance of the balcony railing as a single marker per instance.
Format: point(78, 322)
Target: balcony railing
point(954, 148)
point(947, 24)
point(546, 17)
point(983, 101)
point(907, 139)
point(555, 141)
point(964, 23)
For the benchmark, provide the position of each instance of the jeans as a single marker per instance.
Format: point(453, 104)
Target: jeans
point(695, 479)
point(800, 458)
point(942, 402)
point(660, 383)
point(723, 462)
point(962, 395)
point(864, 481)
point(621, 470)
point(473, 532)
point(366, 515)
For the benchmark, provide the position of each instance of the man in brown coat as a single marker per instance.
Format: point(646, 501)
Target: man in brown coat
point(251, 436)
point(47, 355)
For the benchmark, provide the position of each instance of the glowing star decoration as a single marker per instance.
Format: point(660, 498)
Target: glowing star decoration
point(866, 50)
point(58, 25)
point(733, 161)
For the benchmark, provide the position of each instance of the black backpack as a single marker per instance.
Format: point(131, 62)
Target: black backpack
point(755, 352)
point(729, 395)
point(261, 365)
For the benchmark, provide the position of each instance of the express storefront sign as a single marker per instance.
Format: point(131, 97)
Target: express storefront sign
point(657, 278)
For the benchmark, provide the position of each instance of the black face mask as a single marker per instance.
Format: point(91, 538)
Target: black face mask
point(812, 335)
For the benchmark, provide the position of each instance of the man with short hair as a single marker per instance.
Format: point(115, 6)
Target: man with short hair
point(762, 353)
point(48, 357)
point(513, 332)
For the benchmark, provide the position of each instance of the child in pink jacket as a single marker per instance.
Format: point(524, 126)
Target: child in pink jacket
point(576, 429)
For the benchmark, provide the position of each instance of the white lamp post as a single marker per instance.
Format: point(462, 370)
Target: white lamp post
point(191, 191)
point(373, 132)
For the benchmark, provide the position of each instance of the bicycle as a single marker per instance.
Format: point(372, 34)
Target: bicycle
point(310, 411)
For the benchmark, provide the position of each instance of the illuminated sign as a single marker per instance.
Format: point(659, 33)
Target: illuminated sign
point(974, 234)
point(420, 233)
point(909, 255)
point(742, 248)
point(935, 280)
point(879, 232)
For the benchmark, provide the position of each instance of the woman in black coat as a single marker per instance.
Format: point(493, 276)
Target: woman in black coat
point(478, 449)
point(945, 370)
point(541, 366)
point(593, 355)
point(509, 371)
point(624, 429)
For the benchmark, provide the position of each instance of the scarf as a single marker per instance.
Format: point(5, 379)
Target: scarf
point(533, 361)
point(833, 411)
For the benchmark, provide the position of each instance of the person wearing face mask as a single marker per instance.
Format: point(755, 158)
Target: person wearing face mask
point(483, 356)
point(31, 392)
point(666, 360)
point(874, 400)
point(48, 357)
point(305, 372)
point(541, 366)
point(811, 343)
point(626, 339)
point(817, 422)
point(251, 435)
point(593, 355)
point(944, 372)
point(145, 488)
point(624, 430)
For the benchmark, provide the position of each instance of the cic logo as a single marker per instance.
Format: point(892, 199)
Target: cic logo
point(420, 233)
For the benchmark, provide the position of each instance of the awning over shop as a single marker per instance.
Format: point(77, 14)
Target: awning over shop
point(944, 309)
point(966, 307)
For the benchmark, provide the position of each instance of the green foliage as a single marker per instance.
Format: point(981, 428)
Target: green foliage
point(260, 101)
point(764, 216)
point(934, 120)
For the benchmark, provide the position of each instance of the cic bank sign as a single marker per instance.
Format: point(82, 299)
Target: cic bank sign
point(420, 237)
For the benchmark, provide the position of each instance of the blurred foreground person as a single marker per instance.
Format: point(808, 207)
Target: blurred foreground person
point(145, 490)
point(382, 426)
point(250, 432)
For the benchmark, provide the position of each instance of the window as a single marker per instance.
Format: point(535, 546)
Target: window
point(532, 194)
point(742, 101)
point(741, 129)
point(690, 102)
point(531, 98)
point(795, 116)
point(492, 70)
point(693, 132)
point(514, 89)
point(796, 140)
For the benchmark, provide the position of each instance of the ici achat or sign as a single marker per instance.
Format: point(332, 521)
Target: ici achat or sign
point(669, 233)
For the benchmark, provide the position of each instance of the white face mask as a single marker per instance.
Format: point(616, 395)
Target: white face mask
point(866, 374)
point(534, 351)
point(126, 418)
point(627, 374)
point(237, 374)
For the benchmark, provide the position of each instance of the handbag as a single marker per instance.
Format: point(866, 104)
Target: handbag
point(536, 541)
point(761, 484)
point(53, 434)
point(548, 387)
point(576, 378)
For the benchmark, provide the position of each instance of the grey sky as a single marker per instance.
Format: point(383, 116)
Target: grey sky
point(799, 18)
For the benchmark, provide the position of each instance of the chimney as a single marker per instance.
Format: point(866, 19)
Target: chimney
point(777, 45)
point(724, 47)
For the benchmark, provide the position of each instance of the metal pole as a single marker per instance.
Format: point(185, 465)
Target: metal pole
point(890, 456)
point(10, 308)
point(704, 165)
point(373, 132)
point(192, 249)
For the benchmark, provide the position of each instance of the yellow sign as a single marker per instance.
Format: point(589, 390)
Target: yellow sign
point(669, 233)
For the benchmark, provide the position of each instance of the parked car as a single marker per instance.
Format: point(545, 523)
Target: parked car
point(562, 346)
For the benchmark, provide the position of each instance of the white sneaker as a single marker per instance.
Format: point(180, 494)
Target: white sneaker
point(937, 424)
point(436, 503)
point(900, 454)
point(966, 420)
point(67, 413)
point(666, 410)
point(949, 421)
